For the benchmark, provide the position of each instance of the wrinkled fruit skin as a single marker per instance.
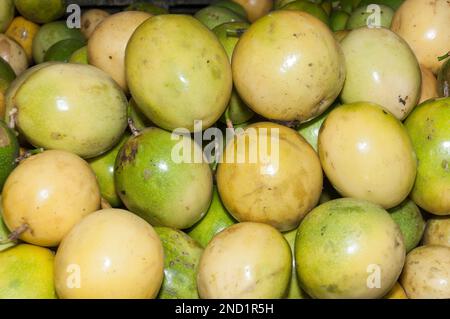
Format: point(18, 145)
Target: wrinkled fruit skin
point(160, 189)
point(366, 153)
point(181, 259)
point(279, 191)
point(195, 88)
point(246, 260)
point(429, 129)
point(288, 66)
point(340, 243)
point(64, 106)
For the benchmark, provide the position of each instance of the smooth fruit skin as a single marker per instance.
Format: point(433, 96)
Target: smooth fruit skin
point(429, 88)
point(181, 259)
point(13, 53)
point(429, 129)
point(366, 153)
point(382, 69)
point(146, 7)
point(6, 14)
point(26, 272)
point(23, 32)
point(49, 34)
point(72, 107)
point(437, 231)
point(341, 243)
point(213, 16)
point(394, 4)
point(216, 219)
point(116, 255)
point(49, 192)
point(338, 20)
point(80, 56)
point(90, 19)
point(245, 261)
point(41, 11)
point(425, 25)
point(359, 17)
point(396, 293)
point(443, 80)
point(4, 233)
point(103, 167)
point(410, 220)
point(255, 8)
point(159, 187)
point(9, 151)
point(108, 42)
point(426, 274)
point(310, 130)
point(278, 190)
point(191, 75)
point(7, 75)
point(288, 66)
point(313, 9)
point(294, 290)
point(62, 51)
point(231, 5)
point(236, 111)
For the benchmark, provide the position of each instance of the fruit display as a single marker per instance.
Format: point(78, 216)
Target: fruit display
point(225, 149)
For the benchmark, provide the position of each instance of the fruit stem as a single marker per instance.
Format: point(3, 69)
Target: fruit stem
point(445, 56)
point(12, 118)
point(14, 236)
point(28, 154)
point(229, 121)
point(237, 33)
point(133, 127)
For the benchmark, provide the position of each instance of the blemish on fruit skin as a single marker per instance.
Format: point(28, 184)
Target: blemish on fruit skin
point(445, 165)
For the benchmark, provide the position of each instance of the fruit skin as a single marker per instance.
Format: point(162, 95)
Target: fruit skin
point(216, 219)
point(154, 185)
point(63, 106)
point(426, 274)
point(359, 17)
point(62, 51)
point(258, 269)
point(80, 56)
point(294, 291)
point(91, 19)
point(107, 44)
point(282, 72)
point(396, 293)
point(23, 32)
point(255, 8)
point(409, 218)
point(41, 11)
point(26, 272)
point(49, 34)
point(416, 20)
point(394, 4)
point(443, 80)
point(6, 14)
point(103, 167)
point(44, 193)
point(231, 5)
point(140, 122)
point(100, 246)
point(437, 231)
point(430, 135)
point(236, 111)
point(279, 191)
point(7, 75)
point(9, 151)
point(181, 259)
point(197, 87)
point(382, 69)
point(308, 7)
point(146, 7)
point(213, 16)
point(12, 52)
point(349, 139)
point(338, 20)
point(338, 243)
point(429, 87)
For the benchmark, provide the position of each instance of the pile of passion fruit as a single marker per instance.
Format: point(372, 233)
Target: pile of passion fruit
point(334, 181)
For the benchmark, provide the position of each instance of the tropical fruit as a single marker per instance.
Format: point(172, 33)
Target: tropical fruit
point(437, 231)
point(338, 20)
point(214, 16)
point(62, 51)
point(429, 88)
point(348, 248)
point(146, 7)
point(80, 56)
point(6, 14)
point(313, 9)
point(310, 130)
point(23, 32)
point(195, 88)
point(90, 19)
point(396, 293)
point(13, 53)
point(429, 129)
point(41, 11)
point(110, 254)
point(9, 151)
point(181, 258)
point(255, 9)
point(294, 290)
point(245, 261)
point(157, 178)
point(43, 197)
point(366, 153)
point(370, 15)
point(231, 5)
point(283, 72)
point(277, 186)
